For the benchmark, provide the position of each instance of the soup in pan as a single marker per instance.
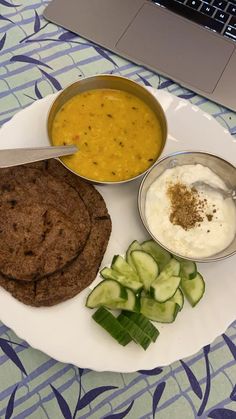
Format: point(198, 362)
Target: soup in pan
point(117, 134)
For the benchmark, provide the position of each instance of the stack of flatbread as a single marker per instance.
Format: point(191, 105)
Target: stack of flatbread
point(54, 230)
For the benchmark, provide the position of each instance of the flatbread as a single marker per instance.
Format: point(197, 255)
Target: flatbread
point(78, 273)
point(44, 223)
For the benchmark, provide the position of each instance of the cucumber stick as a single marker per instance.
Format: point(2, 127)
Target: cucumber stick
point(143, 323)
point(109, 273)
point(109, 322)
point(106, 292)
point(160, 255)
point(159, 312)
point(146, 267)
point(136, 333)
point(193, 289)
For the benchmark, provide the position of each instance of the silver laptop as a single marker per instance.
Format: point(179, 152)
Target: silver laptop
point(190, 41)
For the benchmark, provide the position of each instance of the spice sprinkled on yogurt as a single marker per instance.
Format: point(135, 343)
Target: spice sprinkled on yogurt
point(186, 205)
point(189, 221)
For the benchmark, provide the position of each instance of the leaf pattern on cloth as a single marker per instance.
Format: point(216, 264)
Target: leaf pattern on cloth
point(157, 396)
point(10, 405)
point(29, 60)
point(192, 380)
point(165, 84)
point(145, 81)
point(37, 91)
point(67, 36)
point(154, 371)
point(120, 415)
point(12, 355)
point(92, 395)
point(188, 95)
point(65, 410)
point(222, 414)
point(2, 41)
point(37, 23)
point(206, 351)
point(231, 345)
point(233, 394)
point(52, 79)
point(104, 54)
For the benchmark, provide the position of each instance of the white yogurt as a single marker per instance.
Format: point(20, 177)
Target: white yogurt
point(207, 237)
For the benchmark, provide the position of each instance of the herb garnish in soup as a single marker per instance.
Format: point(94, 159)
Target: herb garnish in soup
point(117, 134)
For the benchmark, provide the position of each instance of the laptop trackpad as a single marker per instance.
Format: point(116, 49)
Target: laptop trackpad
point(179, 48)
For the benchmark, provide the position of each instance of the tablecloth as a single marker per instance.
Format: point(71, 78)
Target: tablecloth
point(38, 58)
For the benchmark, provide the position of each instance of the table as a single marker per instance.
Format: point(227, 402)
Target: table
point(37, 59)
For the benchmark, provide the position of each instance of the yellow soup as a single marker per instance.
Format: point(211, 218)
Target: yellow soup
point(118, 136)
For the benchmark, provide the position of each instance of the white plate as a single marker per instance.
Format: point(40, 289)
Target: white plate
point(66, 331)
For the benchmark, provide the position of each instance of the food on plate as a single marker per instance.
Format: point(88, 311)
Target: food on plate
point(191, 221)
point(54, 232)
point(118, 135)
point(147, 284)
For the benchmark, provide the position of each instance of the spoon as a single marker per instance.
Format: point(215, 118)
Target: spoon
point(18, 156)
point(230, 193)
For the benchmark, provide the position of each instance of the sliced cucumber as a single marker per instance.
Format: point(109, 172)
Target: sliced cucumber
point(178, 298)
point(188, 268)
point(162, 289)
point(144, 324)
point(135, 245)
point(137, 334)
point(132, 303)
point(106, 292)
point(109, 322)
point(109, 273)
point(172, 268)
point(193, 289)
point(146, 266)
point(120, 265)
point(161, 255)
point(159, 312)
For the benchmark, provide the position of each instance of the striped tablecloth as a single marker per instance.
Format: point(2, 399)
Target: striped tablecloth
point(38, 58)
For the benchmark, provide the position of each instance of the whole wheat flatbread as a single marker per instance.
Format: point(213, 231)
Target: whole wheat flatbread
point(92, 226)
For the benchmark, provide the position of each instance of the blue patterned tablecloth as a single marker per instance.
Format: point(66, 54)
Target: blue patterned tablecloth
point(38, 58)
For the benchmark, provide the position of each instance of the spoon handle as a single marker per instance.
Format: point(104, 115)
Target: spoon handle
point(18, 156)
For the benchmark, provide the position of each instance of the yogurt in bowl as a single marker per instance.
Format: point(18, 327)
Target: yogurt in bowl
point(192, 222)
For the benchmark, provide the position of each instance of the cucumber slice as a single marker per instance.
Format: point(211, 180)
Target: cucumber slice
point(172, 268)
point(132, 303)
point(162, 289)
point(178, 298)
point(146, 266)
point(109, 273)
point(193, 289)
point(120, 265)
point(159, 312)
point(106, 292)
point(137, 334)
point(161, 255)
point(109, 322)
point(144, 324)
point(135, 245)
point(166, 284)
point(188, 268)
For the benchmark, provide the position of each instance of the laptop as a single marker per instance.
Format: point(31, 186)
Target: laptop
point(192, 42)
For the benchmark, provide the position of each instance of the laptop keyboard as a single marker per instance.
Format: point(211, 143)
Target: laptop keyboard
point(217, 15)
